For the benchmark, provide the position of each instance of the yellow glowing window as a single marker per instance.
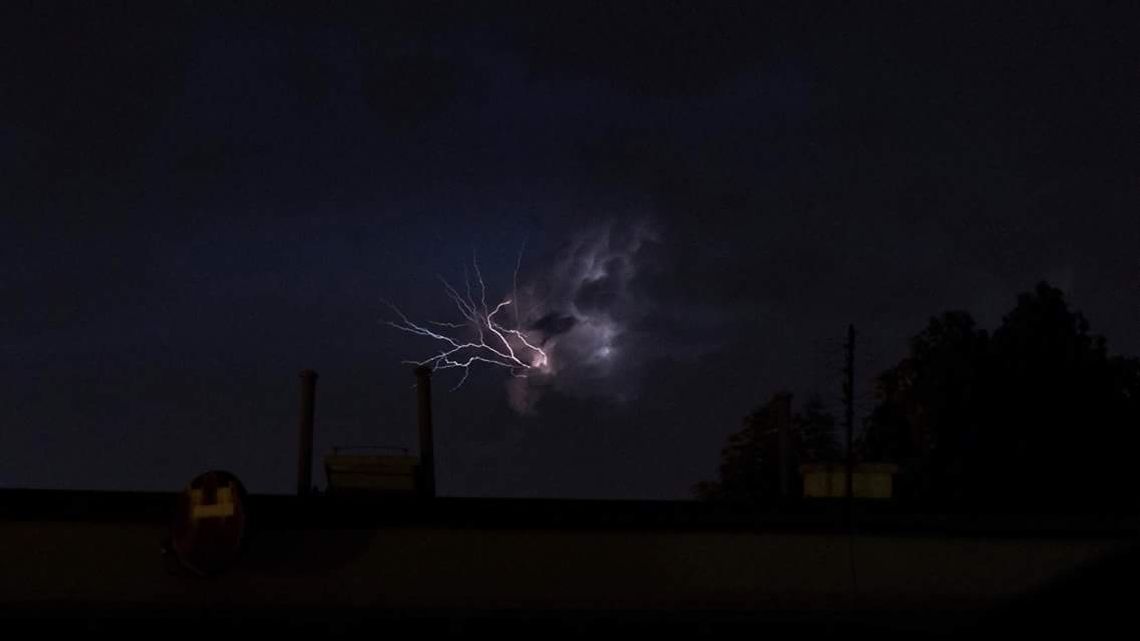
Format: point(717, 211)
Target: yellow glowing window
point(221, 508)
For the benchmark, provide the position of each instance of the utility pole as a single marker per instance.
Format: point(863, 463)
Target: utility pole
point(782, 404)
point(849, 404)
point(305, 433)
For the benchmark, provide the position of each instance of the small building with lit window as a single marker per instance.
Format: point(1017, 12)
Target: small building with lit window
point(829, 480)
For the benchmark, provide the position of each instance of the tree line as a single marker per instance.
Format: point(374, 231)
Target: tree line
point(1035, 414)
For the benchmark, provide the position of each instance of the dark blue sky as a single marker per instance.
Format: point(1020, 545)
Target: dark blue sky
point(198, 203)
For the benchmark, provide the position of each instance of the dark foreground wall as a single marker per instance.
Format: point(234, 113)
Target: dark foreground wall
point(99, 557)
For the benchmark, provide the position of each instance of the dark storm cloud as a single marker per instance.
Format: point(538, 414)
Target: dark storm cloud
point(773, 212)
point(648, 48)
point(212, 158)
point(210, 200)
point(90, 79)
point(83, 87)
point(408, 88)
point(553, 324)
point(601, 293)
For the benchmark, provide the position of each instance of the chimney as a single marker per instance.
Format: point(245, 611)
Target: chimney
point(305, 432)
point(427, 443)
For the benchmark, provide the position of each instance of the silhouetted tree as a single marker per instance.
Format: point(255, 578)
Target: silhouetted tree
point(1061, 415)
point(929, 411)
point(750, 465)
point(1037, 414)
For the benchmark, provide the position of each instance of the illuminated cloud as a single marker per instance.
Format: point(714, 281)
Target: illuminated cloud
point(583, 307)
point(565, 329)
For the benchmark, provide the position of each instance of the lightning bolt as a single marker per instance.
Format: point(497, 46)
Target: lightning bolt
point(488, 339)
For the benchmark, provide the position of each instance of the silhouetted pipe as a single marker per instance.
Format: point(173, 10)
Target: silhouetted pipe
point(427, 442)
point(305, 432)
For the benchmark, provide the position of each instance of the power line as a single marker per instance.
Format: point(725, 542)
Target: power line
point(849, 419)
point(849, 401)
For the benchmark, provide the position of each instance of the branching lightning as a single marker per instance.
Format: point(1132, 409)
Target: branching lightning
point(569, 329)
point(488, 339)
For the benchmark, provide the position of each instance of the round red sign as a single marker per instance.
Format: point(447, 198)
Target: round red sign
point(209, 525)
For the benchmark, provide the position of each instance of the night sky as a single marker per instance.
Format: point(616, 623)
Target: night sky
point(198, 202)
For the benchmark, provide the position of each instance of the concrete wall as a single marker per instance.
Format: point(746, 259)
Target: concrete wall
point(117, 564)
point(364, 558)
